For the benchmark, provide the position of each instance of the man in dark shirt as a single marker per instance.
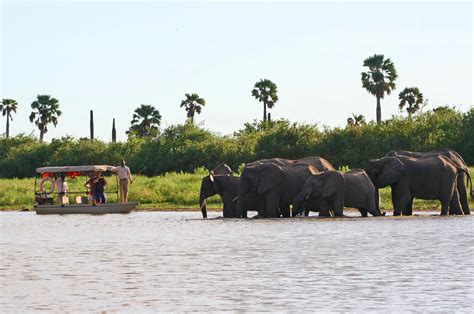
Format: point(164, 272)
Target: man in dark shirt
point(99, 189)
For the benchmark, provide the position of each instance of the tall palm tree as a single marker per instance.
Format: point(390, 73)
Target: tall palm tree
point(193, 104)
point(265, 91)
point(45, 111)
point(412, 98)
point(356, 120)
point(380, 79)
point(7, 106)
point(145, 122)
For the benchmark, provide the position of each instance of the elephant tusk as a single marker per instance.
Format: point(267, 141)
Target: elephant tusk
point(235, 199)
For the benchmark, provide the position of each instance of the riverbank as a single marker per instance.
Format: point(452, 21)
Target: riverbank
point(171, 192)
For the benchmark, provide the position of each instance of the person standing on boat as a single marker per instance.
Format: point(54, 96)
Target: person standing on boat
point(90, 185)
point(99, 190)
point(125, 177)
point(62, 188)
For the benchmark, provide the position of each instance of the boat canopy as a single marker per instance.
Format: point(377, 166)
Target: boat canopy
point(75, 169)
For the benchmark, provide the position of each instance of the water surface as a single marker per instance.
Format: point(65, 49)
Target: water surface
point(173, 261)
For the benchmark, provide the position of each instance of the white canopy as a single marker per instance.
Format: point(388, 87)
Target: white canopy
point(98, 168)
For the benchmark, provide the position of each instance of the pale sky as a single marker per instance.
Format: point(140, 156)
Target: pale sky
point(113, 56)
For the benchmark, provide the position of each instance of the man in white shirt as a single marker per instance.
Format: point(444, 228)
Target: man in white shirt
point(124, 175)
point(62, 188)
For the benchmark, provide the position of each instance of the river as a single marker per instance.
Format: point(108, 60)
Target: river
point(175, 261)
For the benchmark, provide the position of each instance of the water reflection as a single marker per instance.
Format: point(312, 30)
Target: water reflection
point(173, 262)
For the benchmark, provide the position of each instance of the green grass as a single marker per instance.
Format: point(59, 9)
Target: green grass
point(171, 191)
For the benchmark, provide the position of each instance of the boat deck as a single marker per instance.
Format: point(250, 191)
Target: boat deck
point(109, 208)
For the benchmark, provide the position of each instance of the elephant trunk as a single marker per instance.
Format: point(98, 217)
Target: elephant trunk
point(202, 204)
point(299, 204)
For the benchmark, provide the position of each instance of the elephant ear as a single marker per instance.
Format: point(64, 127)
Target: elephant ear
point(270, 175)
point(333, 181)
point(216, 184)
point(393, 169)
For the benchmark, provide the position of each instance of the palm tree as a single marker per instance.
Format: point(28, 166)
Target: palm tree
point(412, 98)
point(380, 79)
point(193, 104)
point(47, 111)
point(265, 91)
point(7, 106)
point(145, 122)
point(356, 120)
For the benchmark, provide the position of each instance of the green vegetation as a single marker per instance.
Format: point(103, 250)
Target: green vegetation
point(412, 98)
point(356, 120)
point(145, 123)
point(7, 106)
point(192, 104)
point(183, 148)
point(171, 191)
point(265, 91)
point(45, 111)
point(380, 79)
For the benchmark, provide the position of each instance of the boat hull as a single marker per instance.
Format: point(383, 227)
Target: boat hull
point(110, 208)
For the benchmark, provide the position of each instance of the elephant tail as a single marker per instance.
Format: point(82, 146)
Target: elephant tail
point(469, 181)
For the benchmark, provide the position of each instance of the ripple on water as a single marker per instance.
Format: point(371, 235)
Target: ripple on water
point(178, 262)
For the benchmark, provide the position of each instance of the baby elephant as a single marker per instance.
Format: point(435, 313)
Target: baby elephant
point(336, 190)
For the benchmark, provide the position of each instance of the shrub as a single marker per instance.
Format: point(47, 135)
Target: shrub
point(183, 148)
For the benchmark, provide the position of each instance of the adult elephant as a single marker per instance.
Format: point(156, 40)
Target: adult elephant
point(221, 181)
point(253, 174)
point(431, 177)
point(454, 157)
point(338, 190)
point(276, 185)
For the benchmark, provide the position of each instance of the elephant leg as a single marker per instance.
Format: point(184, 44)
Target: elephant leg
point(306, 212)
point(363, 212)
point(446, 197)
point(272, 204)
point(444, 207)
point(285, 211)
point(338, 205)
point(462, 190)
point(325, 208)
point(455, 205)
point(230, 210)
point(400, 199)
point(408, 210)
point(371, 206)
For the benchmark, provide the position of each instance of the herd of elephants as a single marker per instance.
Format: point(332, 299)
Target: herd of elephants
point(279, 187)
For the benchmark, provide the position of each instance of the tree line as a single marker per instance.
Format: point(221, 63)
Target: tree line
point(185, 147)
point(378, 80)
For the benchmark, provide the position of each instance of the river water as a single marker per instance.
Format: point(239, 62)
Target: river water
point(172, 261)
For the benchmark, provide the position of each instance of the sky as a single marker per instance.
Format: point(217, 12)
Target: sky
point(114, 56)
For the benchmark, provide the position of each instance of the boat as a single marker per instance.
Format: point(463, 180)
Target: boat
point(47, 201)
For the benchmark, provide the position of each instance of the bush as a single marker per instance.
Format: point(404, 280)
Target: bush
point(183, 148)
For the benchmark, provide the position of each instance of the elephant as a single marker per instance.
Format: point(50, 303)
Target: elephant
point(276, 185)
point(338, 190)
point(320, 164)
point(453, 156)
point(431, 177)
point(222, 182)
point(219, 181)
